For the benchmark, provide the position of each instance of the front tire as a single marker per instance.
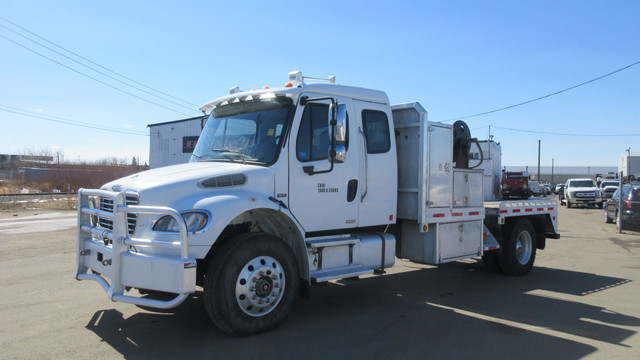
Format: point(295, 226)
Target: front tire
point(519, 249)
point(251, 284)
point(607, 218)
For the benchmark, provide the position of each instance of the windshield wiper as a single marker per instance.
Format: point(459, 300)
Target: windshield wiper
point(242, 156)
point(228, 150)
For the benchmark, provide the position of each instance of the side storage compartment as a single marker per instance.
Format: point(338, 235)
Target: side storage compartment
point(444, 242)
point(467, 188)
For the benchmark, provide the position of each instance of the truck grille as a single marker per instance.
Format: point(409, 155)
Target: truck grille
point(585, 195)
point(106, 204)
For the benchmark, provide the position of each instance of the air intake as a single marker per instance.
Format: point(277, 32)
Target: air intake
point(224, 181)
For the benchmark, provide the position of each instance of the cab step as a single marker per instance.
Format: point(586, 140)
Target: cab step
point(340, 273)
point(328, 242)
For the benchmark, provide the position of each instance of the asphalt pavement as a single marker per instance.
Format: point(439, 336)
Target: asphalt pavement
point(579, 302)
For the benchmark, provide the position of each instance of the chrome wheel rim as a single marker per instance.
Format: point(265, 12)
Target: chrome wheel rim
point(524, 245)
point(260, 286)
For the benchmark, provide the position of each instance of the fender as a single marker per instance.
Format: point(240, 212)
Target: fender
point(237, 207)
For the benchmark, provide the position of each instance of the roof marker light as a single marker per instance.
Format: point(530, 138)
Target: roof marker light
point(235, 89)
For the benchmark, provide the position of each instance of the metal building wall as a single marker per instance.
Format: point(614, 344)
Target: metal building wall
point(172, 142)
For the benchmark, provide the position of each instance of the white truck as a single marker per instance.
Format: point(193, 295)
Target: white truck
point(294, 186)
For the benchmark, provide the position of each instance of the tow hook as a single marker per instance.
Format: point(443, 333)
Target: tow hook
point(106, 262)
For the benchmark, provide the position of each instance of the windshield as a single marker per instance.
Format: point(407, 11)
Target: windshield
point(582, 183)
point(608, 183)
point(247, 131)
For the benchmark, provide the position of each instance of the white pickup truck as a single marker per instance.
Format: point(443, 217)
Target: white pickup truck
point(582, 192)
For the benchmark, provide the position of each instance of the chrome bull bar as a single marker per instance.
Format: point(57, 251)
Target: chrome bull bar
point(106, 253)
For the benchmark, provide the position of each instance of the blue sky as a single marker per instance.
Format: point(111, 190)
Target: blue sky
point(457, 58)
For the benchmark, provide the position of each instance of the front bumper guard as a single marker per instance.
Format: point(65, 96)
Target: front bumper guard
point(110, 257)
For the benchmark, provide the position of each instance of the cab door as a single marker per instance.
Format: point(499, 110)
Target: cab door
point(324, 201)
point(378, 168)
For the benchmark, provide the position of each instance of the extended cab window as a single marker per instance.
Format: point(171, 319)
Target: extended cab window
point(376, 131)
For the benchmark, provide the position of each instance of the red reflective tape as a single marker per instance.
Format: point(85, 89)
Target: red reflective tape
point(540, 209)
point(516, 210)
point(438, 215)
point(528, 210)
point(456, 214)
point(550, 208)
point(476, 213)
point(503, 211)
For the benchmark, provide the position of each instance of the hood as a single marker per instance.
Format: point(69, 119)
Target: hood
point(196, 180)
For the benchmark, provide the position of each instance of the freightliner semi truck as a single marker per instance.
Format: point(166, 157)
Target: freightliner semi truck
point(295, 186)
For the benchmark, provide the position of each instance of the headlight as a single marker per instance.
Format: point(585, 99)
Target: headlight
point(195, 220)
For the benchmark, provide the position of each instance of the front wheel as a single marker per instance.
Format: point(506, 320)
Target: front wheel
point(251, 284)
point(607, 218)
point(519, 249)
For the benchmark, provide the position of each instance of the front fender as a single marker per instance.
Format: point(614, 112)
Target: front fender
point(225, 208)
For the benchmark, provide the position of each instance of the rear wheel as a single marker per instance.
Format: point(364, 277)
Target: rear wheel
point(251, 284)
point(519, 249)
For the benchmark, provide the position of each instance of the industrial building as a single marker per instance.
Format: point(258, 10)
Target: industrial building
point(173, 142)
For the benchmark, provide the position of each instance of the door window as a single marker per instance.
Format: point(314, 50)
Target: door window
point(376, 131)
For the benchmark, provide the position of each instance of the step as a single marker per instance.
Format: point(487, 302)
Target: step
point(340, 273)
point(326, 242)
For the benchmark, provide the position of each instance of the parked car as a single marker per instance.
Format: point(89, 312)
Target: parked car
point(548, 190)
point(582, 192)
point(607, 188)
point(629, 217)
point(608, 191)
point(560, 191)
point(536, 188)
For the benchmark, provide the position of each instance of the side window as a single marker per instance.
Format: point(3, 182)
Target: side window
point(376, 131)
point(313, 136)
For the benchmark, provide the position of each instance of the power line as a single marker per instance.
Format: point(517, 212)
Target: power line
point(98, 71)
point(545, 96)
point(191, 105)
point(562, 134)
point(28, 113)
point(93, 78)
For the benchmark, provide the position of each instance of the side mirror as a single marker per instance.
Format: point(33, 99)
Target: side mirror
point(338, 133)
point(341, 122)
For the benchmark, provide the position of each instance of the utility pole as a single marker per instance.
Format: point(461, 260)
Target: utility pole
point(538, 161)
point(552, 165)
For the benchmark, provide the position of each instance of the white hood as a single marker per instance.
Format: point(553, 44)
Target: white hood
point(165, 185)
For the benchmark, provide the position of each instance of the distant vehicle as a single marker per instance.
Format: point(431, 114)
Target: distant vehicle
point(536, 188)
point(559, 189)
point(629, 217)
point(607, 188)
point(548, 190)
point(582, 192)
point(515, 185)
